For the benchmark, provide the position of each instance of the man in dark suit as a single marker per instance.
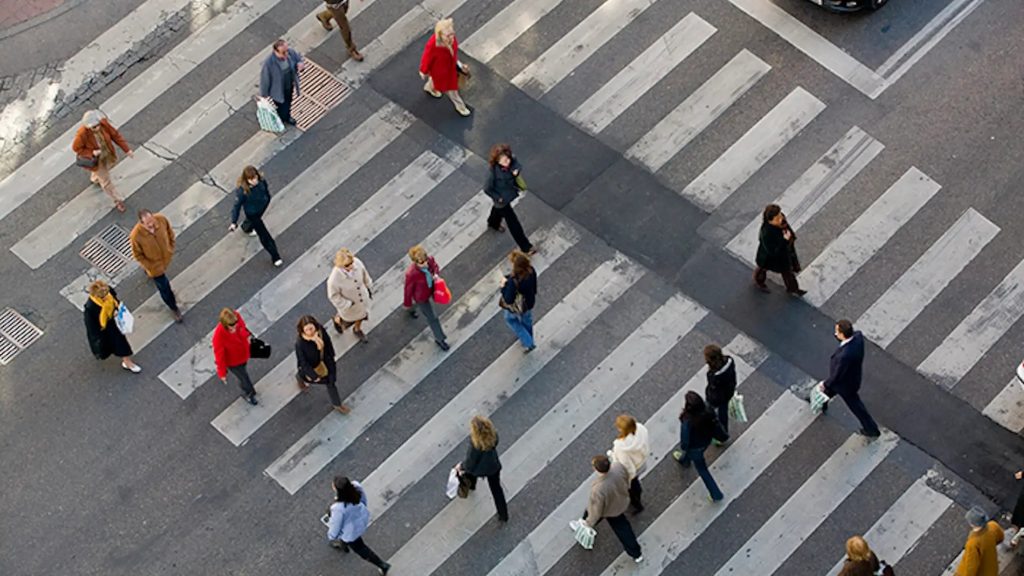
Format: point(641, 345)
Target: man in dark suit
point(844, 375)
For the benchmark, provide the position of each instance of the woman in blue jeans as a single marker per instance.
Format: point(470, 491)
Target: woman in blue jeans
point(698, 427)
point(518, 295)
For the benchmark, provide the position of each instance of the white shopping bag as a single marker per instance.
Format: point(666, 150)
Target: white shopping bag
point(124, 319)
point(585, 536)
point(267, 116)
point(453, 484)
point(818, 398)
point(737, 411)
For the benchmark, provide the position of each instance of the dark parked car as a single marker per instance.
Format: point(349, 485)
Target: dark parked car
point(850, 5)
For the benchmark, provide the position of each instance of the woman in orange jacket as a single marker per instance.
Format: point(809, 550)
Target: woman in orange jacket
point(94, 150)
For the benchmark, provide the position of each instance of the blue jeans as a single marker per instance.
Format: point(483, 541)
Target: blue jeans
point(163, 285)
point(522, 325)
point(696, 455)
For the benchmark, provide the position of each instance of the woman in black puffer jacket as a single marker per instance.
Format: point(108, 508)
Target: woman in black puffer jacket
point(253, 197)
point(721, 383)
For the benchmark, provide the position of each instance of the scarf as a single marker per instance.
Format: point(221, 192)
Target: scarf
point(108, 306)
point(107, 157)
point(430, 277)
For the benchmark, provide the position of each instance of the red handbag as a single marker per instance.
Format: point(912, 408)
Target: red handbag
point(442, 295)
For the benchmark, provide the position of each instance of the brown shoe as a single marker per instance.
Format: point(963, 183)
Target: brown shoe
point(325, 20)
point(178, 317)
point(361, 335)
point(355, 54)
point(343, 409)
point(340, 325)
point(302, 385)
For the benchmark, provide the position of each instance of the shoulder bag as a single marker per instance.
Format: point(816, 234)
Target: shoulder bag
point(518, 303)
point(258, 348)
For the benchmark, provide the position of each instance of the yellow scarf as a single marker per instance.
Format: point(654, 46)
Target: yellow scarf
point(108, 306)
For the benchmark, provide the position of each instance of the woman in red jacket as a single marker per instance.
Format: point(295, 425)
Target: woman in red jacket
point(94, 146)
point(440, 65)
point(419, 289)
point(231, 351)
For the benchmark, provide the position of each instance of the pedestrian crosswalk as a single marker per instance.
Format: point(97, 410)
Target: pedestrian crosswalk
point(404, 182)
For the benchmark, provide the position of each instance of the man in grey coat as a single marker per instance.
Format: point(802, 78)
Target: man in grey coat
point(609, 499)
point(280, 76)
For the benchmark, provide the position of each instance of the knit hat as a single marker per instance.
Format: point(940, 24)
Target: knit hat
point(91, 119)
point(976, 516)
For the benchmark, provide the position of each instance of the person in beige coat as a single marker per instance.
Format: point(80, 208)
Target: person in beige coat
point(609, 499)
point(630, 449)
point(350, 289)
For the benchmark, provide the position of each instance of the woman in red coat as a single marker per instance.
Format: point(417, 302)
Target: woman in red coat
point(419, 290)
point(94, 146)
point(440, 65)
point(231, 351)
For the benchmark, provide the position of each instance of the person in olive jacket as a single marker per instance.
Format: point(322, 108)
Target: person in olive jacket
point(252, 196)
point(503, 189)
point(482, 461)
point(775, 251)
point(314, 353)
point(721, 383)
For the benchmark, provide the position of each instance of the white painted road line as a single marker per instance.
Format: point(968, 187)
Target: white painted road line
point(577, 45)
point(501, 380)
point(832, 57)
point(680, 126)
point(755, 148)
point(734, 471)
point(549, 541)
point(506, 26)
point(32, 175)
point(447, 531)
point(278, 296)
point(1007, 408)
point(944, 260)
point(640, 75)
point(300, 195)
point(806, 196)
point(195, 202)
point(375, 396)
point(898, 530)
point(240, 420)
point(841, 259)
point(979, 331)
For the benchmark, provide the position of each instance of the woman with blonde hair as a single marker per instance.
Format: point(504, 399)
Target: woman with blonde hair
point(518, 296)
point(419, 290)
point(231, 351)
point(94, 151)
point(860, 560)
point(253, 197)
point(482, 460)
point(630, 448)
point(105, 338)
point(350, 288)
point(440, 65)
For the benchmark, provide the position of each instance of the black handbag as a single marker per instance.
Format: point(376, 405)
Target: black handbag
point(87, 161)
point(258, 348)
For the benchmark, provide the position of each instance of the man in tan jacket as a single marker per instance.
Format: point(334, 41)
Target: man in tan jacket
point(609, 499)
point(153, 246)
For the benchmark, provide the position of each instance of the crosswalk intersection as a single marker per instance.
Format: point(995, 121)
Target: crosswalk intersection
point(377, 185)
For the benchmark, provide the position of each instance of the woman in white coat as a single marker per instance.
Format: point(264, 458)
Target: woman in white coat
point(630, 449)
point(350, 288)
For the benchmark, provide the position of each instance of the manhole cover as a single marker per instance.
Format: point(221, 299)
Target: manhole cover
point(16, 334)
point(109, 251)
point(321, 92)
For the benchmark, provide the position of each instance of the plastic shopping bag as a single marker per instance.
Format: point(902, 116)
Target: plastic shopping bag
point(453, 484)
point(585, 536)
point(124, 319)
point(442, 295)
point(267, 116)
point(818, 399)
point(737, 411)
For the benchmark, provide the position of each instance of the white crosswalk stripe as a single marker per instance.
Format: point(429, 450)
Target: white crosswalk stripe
point(1007, 408)
point(394, 380)
point(508, 25)
point(553, 432)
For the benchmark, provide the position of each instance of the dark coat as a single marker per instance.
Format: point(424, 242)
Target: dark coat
point(696, 432)
point(254, 204)
point(860, 567)
point(845, 367)
point(773, 250)
point(104, 342)
point(501, 184)
point(307, 357)
point(480, 463)
point(721, 384)
point(416, 289)
point(527, 287)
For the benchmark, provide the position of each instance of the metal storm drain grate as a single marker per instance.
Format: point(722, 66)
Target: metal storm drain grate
point(16, 334)
point(321, 92)
point(109, 251)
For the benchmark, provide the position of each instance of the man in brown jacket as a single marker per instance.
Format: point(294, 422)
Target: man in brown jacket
point(153, 246)
point(338, 10)
point(609, 499)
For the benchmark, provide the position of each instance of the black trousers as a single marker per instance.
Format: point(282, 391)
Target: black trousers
point(635, 492)
point(163, 286)
point(512, 222)
point(856, 405)
point(494, 483)
point(244, 382)
point(722, 412)
point(332, 390)
point(284, 109)
point(256, 222)
point(364, 552)
point(623, 530)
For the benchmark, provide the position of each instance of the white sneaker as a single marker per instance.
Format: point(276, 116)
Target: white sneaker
point(574, 525)
point(134, 368)
point(252, 232)
point(638, 559)
point(278, 262)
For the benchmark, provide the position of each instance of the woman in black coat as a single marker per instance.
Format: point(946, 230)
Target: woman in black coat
point(697, 429)
point(482, 460)
point(775, 251)
point(105, 338)
point(314, 353)
point(721, 383)
point(502, 188)
point(253, 197)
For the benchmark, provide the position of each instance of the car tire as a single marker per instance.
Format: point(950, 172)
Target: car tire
point(876, 4)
